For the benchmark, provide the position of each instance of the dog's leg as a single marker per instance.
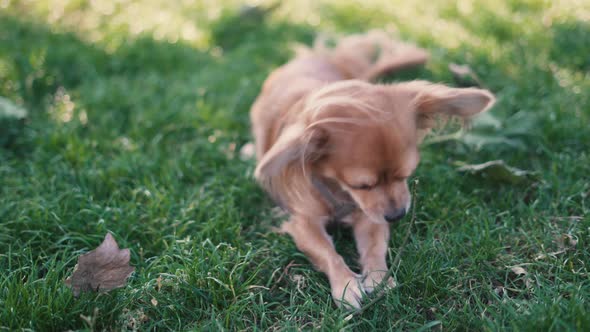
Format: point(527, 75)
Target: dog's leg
point(311, 238)
point(371, 241)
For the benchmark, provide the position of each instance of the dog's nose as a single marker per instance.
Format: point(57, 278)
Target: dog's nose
point(395, 215)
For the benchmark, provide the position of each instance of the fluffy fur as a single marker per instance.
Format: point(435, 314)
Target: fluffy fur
point(325, 135)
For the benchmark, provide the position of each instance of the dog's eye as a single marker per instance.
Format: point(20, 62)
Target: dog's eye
point(363, 186)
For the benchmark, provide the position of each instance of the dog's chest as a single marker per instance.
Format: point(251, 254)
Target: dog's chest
point(340, 203)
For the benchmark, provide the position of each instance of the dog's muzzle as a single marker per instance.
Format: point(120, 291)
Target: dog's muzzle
point(395, 215)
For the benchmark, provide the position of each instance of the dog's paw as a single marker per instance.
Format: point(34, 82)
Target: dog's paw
point(374, 278)
point(348, 293)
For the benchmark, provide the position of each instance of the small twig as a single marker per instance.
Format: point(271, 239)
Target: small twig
point(379, 290)
point(285, 272)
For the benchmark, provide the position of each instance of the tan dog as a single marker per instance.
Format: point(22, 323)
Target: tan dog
point(333, 147)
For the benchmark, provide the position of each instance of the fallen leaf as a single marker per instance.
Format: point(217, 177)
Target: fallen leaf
point(478, 140)
point(464, 76)
point(485, 129)
point(521, 274)
point(567, 241)
point(299, 279)
point(498, 170)
point(549, 254)
point(518, 270)
point(103, 269)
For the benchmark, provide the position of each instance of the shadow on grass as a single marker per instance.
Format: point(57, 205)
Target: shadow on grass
point(148, 123)
point(571, 44)
point(38, 61)
point(45, 60)
point(253, 26)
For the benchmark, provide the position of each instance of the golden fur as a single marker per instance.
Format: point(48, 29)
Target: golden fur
point(319, 117)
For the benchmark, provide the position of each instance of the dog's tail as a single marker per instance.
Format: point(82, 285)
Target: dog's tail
point(370, 55)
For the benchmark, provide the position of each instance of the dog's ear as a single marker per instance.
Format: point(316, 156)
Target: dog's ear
point(431, 100)
point(295, 144)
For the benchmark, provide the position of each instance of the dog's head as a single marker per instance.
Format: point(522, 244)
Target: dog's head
point(365, 138)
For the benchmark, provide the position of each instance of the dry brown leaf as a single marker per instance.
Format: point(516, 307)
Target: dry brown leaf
point(103, 269)
point(521, 272)
point(549, 254)
point(518, 270)
point(300, 280)
point(567, 241)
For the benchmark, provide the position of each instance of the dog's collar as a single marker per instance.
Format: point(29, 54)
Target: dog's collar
point(340, 202)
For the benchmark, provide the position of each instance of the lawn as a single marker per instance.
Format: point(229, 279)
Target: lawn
point(137, 112)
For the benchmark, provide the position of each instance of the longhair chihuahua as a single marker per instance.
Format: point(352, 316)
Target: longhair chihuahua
point(331, 146)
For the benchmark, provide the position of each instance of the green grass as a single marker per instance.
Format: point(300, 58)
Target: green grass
point(136, 117)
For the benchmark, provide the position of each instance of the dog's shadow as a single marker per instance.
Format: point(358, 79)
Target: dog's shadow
point(344, 242)
point(343, 239)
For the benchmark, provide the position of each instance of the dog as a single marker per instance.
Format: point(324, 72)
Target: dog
point(333, 146)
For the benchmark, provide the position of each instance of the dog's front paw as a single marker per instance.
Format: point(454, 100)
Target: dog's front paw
point(374, 278)
point(348, 292)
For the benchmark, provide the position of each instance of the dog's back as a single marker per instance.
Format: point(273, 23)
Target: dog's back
point(364, 57)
